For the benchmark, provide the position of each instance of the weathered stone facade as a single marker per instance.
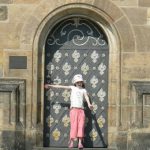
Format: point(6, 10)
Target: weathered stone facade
point(24, 25)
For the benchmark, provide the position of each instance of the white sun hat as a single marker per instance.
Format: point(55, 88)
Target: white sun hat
point(77, 78)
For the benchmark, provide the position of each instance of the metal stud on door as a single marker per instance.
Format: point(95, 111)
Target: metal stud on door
point(76, 45)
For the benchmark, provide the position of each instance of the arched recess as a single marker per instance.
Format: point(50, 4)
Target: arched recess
point(111, 24)
point(76, 45)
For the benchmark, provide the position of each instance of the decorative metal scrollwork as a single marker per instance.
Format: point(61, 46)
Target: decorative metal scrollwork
point(76, 33)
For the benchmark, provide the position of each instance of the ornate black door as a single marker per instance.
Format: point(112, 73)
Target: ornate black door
point(76, 46)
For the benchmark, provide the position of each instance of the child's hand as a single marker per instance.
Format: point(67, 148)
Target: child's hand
point(90, 106)
point(46, 86)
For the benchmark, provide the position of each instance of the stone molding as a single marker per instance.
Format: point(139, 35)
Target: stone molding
point(103, 9)
point(139, 89)
point(17, 90)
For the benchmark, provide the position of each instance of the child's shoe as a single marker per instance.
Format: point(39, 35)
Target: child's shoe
point(70, 144)
point(80, 146)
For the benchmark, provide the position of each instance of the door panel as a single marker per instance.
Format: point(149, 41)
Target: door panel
point(76, 45)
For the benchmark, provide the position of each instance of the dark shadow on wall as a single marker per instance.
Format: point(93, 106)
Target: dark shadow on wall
point(12, 140)
point(92, 122)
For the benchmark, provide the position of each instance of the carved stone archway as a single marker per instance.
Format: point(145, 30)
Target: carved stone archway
point(109, 17)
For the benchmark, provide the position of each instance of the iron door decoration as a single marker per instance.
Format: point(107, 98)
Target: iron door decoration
point(76, 45)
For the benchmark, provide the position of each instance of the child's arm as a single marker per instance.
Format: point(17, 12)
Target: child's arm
point(88, 101)
point(56, 86)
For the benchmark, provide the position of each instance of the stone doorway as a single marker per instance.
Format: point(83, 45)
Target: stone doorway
point(76, 45)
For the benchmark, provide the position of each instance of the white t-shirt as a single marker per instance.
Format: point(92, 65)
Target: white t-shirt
point(77, 97)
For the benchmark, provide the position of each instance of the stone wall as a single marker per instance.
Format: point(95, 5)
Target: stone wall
point(22, 23)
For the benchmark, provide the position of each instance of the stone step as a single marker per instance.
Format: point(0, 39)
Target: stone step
point(44, 148)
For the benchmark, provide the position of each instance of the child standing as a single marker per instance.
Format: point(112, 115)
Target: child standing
point(77, 115)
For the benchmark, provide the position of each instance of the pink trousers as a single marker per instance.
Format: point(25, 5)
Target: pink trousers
point(77, 122)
